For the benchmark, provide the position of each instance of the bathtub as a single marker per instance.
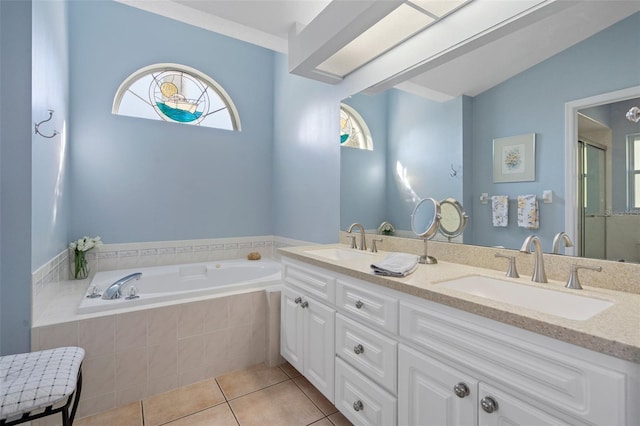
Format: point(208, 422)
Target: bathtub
point(174, 282)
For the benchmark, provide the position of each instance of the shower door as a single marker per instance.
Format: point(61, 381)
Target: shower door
point(592, 200)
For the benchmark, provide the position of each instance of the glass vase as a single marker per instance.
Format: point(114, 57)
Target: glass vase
point(79, 266)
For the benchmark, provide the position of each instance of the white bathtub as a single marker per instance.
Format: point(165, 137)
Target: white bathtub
point(173, 282)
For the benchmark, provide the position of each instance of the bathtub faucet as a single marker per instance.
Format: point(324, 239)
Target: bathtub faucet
point(114, 290)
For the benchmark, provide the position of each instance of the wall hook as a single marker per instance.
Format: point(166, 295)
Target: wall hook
point(37, 125)
point(453, 172)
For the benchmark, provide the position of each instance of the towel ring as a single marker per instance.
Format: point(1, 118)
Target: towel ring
point(37, 126)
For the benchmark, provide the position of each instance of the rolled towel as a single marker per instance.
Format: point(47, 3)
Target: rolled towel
point(500, 210)
point(396, 265)
point(528, 216)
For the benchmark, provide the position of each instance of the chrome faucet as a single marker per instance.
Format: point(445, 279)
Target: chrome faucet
point(539, 275)
point(556, 241)
point(115, 290)
point(363, 241)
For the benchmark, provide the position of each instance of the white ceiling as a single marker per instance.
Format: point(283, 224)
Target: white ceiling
point(267, 23)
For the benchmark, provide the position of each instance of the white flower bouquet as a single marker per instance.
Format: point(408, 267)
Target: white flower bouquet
point(80, 247)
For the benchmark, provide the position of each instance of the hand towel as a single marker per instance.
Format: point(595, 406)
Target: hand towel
point(528, 212)
point(500, 209)
point(396, 265)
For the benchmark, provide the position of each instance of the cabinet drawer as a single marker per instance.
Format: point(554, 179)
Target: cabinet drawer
point(374, 308)
point(529, 367)
point(361, 400)
point(368, 351)
point(312, 280)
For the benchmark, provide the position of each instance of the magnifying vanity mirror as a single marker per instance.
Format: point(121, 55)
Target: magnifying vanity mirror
point(453, 219)
point(425, 221)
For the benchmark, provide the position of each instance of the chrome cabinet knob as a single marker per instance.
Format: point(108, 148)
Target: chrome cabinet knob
point(358, 349)
point(461, 390)
point(359, 304)
point(304, 304)
point(298, 300)
point(489, 404)
point(358, 405)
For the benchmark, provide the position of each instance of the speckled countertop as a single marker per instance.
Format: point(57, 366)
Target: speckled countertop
point(614, 331)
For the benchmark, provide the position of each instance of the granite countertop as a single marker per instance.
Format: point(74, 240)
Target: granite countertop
point(614, 331)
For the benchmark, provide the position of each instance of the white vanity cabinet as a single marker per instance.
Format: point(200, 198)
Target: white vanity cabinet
point(401, 359)
point(532, 378)
point(434, 394)
point(307, 326)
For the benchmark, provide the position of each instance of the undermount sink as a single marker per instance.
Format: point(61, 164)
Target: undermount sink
point(339, 253)
point(565, 305)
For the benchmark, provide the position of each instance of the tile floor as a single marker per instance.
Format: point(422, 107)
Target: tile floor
point(259, 395)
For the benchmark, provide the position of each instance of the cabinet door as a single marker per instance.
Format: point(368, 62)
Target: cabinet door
point(319, 345)
point(508, 410)
point(427, 394)
point(291, 328)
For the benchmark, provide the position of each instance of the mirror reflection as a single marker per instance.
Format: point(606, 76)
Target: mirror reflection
point(444, 149)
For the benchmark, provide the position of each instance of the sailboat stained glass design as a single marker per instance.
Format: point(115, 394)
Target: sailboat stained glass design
point(176, 94)
point(354, 132)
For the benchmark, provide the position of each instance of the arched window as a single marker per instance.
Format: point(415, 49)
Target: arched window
point(353, 129)
point(176, 93)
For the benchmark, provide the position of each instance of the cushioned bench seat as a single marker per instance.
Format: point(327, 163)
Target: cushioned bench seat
point(35, 381)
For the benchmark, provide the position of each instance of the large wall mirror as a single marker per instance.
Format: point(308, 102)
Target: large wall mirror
point(424, 148)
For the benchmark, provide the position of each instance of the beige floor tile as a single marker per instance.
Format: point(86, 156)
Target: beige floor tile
point(290, 370)
point(338, 419)
point(283, 404)
point(181, 402)
point(322, 422)
point(315, 396)
point(128, 415)
point(220, 415)
point(250, 380)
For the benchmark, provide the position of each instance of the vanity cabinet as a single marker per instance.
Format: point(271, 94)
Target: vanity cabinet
point(394, 358)
point(432, 393)
point(307, 328)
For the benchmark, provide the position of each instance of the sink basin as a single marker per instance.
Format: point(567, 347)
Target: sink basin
point(561, 304)
point(339, 253)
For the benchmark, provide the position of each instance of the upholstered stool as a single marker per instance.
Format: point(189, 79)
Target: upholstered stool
point(36, 384)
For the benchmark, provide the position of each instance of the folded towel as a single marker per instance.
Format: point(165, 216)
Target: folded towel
point(528, 212)
point(396, 265)
point(500, 209)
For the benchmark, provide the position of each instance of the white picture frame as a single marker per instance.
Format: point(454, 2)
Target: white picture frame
point(514, 158)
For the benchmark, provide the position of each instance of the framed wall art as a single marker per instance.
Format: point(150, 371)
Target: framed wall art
point(514, 158)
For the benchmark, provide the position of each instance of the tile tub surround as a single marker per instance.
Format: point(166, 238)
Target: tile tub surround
point(133, 355)
point(618, 276)
point(52, 278)
point(613, 331)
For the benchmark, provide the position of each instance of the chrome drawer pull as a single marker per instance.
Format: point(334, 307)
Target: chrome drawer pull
point(304, 304)
point(358, 405)
point(358, 349)
point(489, 404)
point(298, 300)
point(461, 390)
point(359, 304)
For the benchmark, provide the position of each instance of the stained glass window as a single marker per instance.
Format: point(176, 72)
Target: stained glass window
point(178, 94)
point(353, 130)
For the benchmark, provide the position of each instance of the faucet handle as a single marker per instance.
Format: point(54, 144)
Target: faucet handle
point(374, 248)
point(353, 241)
point(573, 281)
point(512, 271)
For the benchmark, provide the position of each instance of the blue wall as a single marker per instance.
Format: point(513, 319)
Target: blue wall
point(50, 82)
point(15, 176)
point(363, 173)
point(306, 167)
point(533, 102)
point(147, 180)
point(426, 137)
